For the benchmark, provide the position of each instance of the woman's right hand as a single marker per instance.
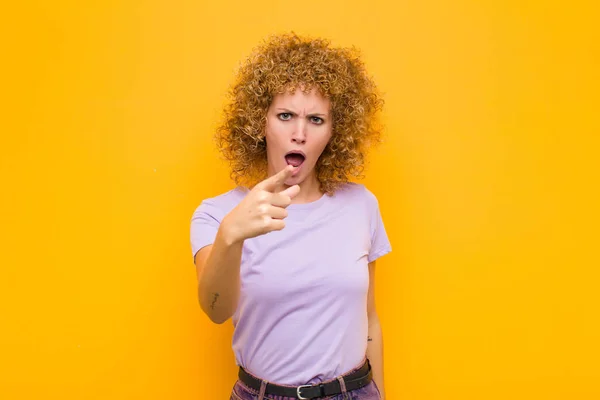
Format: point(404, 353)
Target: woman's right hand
point(262, 210)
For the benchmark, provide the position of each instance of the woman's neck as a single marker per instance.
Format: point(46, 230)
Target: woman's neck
point(309, 191)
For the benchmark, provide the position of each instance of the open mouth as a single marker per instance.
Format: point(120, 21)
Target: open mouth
point(295, 158)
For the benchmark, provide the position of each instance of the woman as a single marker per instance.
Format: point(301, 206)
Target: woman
point(289, 254)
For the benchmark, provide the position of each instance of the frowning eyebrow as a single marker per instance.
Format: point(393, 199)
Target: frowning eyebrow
point(311, 114)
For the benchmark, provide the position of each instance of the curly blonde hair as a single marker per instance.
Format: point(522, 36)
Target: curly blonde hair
point(286, 62)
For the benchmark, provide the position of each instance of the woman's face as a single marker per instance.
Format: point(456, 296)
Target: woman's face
point(300, 123)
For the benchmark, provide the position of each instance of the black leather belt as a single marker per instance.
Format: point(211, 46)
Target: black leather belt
point(354, 380)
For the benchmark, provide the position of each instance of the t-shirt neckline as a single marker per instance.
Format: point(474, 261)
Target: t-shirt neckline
point(305, 206)
point(294, 206)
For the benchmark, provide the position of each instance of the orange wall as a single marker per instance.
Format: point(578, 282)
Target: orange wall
point(487, 181)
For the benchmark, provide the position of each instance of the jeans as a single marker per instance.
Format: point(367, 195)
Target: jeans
point(369, 392)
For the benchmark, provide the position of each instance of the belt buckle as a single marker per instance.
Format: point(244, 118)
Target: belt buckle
point(298, 391)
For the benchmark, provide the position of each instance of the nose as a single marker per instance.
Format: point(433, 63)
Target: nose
point(299, 133)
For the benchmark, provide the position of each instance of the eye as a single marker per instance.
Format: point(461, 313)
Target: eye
point(317, 120)
point(284, 116)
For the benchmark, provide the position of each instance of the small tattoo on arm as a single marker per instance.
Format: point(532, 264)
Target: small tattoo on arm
point(369, 339)
point(212, 305)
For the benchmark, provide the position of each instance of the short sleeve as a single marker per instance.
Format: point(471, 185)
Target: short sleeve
point(380, 244)
point(204, 226)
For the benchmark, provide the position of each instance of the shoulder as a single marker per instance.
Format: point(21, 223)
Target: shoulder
point(356, 191)
point(219, 205)
point(232, 196)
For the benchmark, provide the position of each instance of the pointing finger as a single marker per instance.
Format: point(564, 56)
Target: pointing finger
point(275, 180)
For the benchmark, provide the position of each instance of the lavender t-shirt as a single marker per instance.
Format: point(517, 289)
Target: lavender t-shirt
point(302, 312)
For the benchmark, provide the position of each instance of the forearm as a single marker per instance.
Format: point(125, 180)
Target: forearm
point(219, 286)
point(375, 352)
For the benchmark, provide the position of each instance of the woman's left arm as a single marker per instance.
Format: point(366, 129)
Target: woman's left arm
point(375, 338)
